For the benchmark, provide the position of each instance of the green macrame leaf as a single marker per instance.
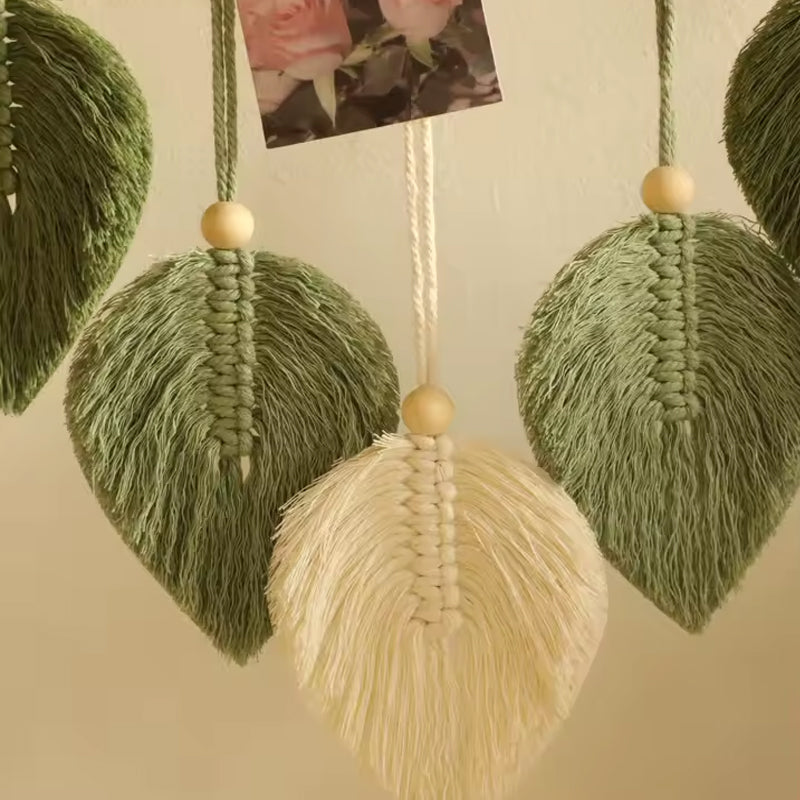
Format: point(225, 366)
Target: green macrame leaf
point(659, 381)
point(79, 169)
point(762, 125)
point(150, 387)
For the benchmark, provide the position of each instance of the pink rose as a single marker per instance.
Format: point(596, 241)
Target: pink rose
point(306, 39)
point(418, 20)
point(272, 88)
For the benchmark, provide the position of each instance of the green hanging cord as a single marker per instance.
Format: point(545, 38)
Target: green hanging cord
point(667, 189)
point(226, 145)
point(228, 227)
point(665, 29)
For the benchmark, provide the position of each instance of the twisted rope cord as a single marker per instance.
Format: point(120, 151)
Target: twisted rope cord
point(223, 54)
point(432, 491)
point(675, 318)
point(431, 509)
point(422, 228)
point(8, 175)
point(675, 309)
point(232, 355)
point(665, 33)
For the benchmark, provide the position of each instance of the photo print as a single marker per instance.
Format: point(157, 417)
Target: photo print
point(328, 67)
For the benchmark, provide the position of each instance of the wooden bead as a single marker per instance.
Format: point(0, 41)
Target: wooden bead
point(428, 411)
point(227, 226)
point(668, 190)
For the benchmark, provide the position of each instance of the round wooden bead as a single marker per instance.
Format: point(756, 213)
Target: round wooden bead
point(227, 226)
point(668, 190)
point(428, 410)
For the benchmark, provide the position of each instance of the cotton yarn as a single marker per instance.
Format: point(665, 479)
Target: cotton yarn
point(762, 125)
point(212, 389)
point(75, 154)
point(442, 604)
point(159, 436)
point(659, 383)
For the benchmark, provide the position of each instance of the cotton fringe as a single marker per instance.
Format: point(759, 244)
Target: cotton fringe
point(762, 125)
point(443, 607)
point(159, 403)
point(659, 383)
point(75, 154)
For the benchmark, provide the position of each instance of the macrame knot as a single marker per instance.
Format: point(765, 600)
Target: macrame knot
point(231, 350)
point(8, 176)
point(430, 503)
point(675, 317)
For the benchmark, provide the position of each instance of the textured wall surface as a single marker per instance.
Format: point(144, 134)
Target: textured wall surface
point(106, 691)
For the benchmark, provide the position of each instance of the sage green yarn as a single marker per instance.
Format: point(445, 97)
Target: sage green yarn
point(659, 382)
point(214, 388)
point(762, 125)
point(75, 151)
point(159, 411)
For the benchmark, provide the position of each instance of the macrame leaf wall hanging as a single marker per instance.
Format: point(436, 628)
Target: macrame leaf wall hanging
point(442, 603)
point(212, 389)
point(762, 125)
point(659, 382)
point(74, 170)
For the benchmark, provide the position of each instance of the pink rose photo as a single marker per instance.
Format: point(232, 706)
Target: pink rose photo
point(327, 67)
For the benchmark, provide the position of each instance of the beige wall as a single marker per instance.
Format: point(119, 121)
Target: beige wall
point(107, 692)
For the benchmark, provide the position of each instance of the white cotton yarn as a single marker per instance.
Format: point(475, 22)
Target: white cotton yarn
point(442, 604)
point(442, 607)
